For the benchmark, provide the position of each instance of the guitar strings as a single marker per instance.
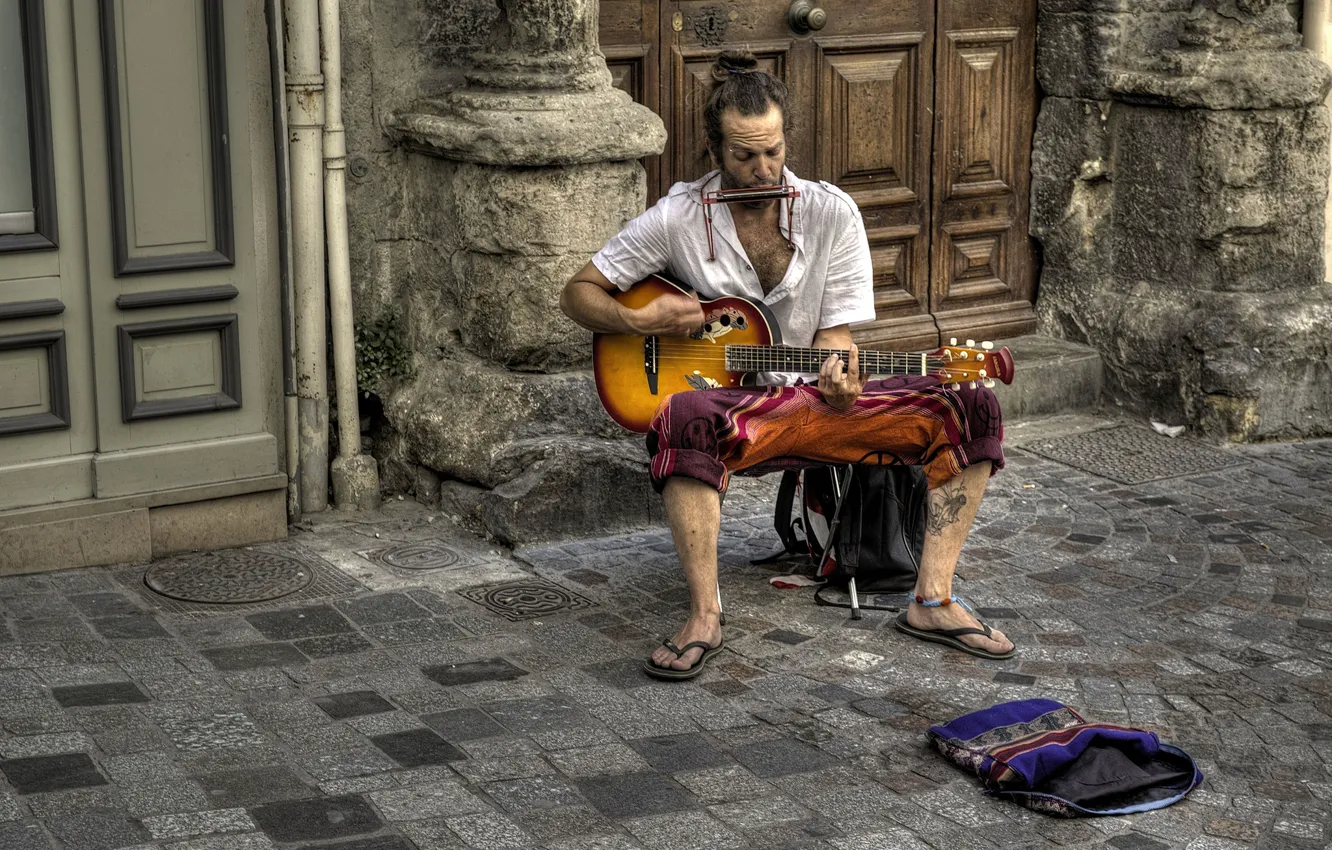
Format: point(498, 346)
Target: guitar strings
point(913, 360)
point(752, 357)
point(819, 354)
point(696, 345)
point(734, 365)
point(719, 358)
point(900, 361)
point(782, 351)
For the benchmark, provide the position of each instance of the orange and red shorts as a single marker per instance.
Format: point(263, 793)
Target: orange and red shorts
point(709, 434)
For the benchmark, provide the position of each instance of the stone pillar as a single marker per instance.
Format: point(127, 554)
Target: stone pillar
point(1179, 175)
point(539, 156)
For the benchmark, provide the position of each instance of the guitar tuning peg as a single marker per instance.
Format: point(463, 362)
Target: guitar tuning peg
point(983, 374)
point(955, 386)
point(988, 383)
point(987, 345)
point(973, 385)
point(952, 341)
point(971, 343)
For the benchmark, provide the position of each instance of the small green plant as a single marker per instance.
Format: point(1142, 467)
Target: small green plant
point(382, 354)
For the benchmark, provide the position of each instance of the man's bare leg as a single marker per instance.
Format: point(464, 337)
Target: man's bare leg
point(952, 507)
point(693, 510)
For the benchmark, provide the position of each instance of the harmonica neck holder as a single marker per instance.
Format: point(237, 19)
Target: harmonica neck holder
point(784, 192)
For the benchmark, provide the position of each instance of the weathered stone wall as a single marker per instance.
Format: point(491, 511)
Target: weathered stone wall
point(402, 229)
point(476, 190)
point(1179, 176)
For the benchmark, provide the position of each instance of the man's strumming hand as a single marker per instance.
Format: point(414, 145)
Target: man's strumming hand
point(669, 315)
point(840, 389)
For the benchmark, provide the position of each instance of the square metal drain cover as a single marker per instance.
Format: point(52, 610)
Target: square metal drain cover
point(1134, 455)
point(526, 599)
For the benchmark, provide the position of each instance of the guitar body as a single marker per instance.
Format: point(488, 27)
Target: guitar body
point(624, 363)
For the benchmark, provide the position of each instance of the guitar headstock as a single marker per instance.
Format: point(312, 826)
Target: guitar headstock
point(970, 363)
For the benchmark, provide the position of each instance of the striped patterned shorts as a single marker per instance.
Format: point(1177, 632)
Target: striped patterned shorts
point(709, 434)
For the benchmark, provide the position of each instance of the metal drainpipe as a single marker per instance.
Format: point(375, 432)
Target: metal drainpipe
point(277, 77)
point(1314, 26)
point(305, 118)
point(335, 223)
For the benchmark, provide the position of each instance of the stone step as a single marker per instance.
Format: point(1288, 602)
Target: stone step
point(1050, 376)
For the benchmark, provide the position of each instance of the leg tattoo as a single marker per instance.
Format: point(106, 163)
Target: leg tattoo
point(945, 505)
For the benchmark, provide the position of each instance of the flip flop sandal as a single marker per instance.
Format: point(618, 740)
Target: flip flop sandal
point(689, 672)
point(950, 637)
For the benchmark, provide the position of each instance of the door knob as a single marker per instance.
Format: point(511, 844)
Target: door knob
point(804, 16)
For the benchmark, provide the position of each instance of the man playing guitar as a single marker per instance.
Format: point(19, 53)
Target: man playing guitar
point(800, 248)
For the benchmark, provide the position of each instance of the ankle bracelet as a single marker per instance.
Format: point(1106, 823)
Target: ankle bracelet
point(939, 603)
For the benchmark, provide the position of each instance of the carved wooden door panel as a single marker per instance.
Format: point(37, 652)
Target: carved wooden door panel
point(924, 119)
point(872, 86)
point(983, 266)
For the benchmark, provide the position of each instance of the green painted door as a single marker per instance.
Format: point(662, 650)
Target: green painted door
point(132, 357)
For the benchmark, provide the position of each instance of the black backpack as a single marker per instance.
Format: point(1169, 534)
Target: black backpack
point(877, 535)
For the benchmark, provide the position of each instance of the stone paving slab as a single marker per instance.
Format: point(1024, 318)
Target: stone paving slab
point(387, 710)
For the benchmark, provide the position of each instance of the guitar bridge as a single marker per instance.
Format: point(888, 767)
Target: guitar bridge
point(650, 350)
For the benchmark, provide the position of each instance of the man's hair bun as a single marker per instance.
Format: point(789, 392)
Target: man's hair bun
point(733, 61)
point(740, 85)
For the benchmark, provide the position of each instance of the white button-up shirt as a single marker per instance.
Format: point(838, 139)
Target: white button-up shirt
point(829, 282)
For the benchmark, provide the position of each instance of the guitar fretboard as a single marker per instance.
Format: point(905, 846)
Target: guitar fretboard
point(777, 358)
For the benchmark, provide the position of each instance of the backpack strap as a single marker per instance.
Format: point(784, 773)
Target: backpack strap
point(783, 515)
point(785, 520)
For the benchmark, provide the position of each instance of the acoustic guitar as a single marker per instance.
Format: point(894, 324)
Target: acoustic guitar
point(740, 337)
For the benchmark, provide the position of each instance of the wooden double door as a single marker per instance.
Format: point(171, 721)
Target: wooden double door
point(921, 110)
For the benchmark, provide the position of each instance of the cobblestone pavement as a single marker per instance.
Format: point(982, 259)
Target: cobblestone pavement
point(425, 691)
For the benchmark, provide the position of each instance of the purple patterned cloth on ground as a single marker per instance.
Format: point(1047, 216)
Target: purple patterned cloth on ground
point(1044, 755)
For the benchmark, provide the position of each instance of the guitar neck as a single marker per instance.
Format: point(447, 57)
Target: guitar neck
point(777, 358)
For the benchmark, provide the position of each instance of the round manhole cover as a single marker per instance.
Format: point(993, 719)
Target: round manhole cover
point(419, 556)
point(233, 578)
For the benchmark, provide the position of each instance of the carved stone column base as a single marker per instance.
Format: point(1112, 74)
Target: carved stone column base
point(540, 458)
point(571, 486)
point(531, 128)
point(535, 165)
